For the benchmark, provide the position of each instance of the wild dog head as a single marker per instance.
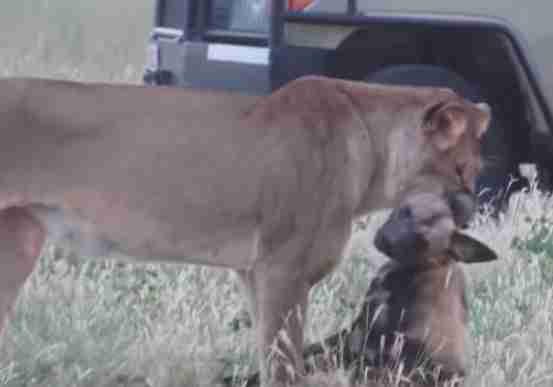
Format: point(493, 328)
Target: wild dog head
point(423, 227)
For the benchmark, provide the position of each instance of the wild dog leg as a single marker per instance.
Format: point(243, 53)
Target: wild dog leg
point(21, 240)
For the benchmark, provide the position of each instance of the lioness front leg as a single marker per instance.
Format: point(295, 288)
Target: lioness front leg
point(280, 283)
point(21, 241)
point(281, 306)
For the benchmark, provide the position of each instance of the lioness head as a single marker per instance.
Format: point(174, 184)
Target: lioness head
point(451, 133)
point(438, 193)
point(454, 130)
point(422, 229)
point(438, 189)
point(423, 139)
point(442, 158)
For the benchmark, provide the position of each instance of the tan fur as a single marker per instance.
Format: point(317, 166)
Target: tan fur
point(267, 186)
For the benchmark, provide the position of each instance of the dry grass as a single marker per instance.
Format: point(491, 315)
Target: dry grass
point(87, 323)
point(98, 40)
point(82, 322)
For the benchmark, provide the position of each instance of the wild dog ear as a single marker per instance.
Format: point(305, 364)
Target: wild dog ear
point(469, 250)
point(484, 118)
point(444, 123)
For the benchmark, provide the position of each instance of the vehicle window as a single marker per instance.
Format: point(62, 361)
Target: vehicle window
point(240, 15)
point(254, 15)
point(299, 5)
point(332, 6)
point(250, 15)
point(173, 13)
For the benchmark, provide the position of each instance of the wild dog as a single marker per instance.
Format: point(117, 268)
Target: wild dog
point(267, 186)
point(415, 312)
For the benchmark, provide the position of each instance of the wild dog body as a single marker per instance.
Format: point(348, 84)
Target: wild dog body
point(267, 186)
point(422, 292)
point(416, 317)
point(415, 311)
point(427, 306)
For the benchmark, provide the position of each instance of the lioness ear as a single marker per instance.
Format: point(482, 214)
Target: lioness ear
point(484, 119)
point(444, 123)
point(469, 250)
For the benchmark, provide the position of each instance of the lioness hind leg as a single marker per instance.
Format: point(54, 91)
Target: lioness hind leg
point(21, 240)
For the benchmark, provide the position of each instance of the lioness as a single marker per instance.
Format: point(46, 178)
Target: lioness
point(267, 186)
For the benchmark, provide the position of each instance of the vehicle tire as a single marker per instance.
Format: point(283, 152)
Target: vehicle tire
point(494, 184)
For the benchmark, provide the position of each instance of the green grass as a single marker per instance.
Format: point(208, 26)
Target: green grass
point(82, 322)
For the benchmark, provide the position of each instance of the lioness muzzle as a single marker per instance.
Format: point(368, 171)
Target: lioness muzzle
point(267, 186)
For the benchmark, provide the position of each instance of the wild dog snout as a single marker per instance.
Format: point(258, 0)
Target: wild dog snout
point(398, 237)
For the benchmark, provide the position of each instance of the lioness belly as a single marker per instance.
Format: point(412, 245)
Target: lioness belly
point(235, 248)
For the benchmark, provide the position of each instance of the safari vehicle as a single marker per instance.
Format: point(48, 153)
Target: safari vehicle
point(493, 51)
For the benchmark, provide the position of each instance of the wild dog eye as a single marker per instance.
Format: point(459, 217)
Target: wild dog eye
point(432, 220)
point(405, 213)
point(459, 169)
